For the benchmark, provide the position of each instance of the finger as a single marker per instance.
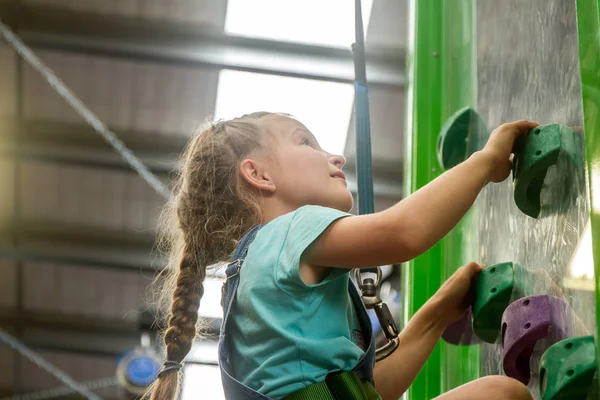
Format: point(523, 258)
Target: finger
point(473, 265)
point(472, 268)
point(523, 126)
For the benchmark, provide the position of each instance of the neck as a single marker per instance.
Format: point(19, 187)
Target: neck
point(272, 208)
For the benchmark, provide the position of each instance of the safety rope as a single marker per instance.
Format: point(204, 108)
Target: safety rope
point(64, 391)
point(369, 287)
point(46, 366)
point(91, 118)
point(364, 174)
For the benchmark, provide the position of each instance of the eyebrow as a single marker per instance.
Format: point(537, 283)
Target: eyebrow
point(303, 131)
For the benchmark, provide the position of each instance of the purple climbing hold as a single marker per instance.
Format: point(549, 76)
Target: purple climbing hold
point(460, 332)
point(527, 321)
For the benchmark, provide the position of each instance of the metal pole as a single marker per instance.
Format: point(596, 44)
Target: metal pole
point(588, 25)
point(441, 77)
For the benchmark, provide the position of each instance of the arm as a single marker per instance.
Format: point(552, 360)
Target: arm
point(395, 374)
point(412, 226)
point(407, 229)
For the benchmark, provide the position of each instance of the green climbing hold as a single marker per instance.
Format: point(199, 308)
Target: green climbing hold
point(493, 291)
point(538, 151)
point(462, 134)
point(567, 369)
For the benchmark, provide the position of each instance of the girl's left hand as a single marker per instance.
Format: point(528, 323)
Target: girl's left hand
point(454, 297)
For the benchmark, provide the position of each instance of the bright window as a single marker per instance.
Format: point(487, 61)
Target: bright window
point(210, 304)
point(324, 107)
point(320, 22)
point(201, 381)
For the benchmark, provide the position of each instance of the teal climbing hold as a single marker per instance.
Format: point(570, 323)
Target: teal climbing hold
point(496, 286)
point(538, 151)
point(461, 135)
point(493, 291)
point(567, 369)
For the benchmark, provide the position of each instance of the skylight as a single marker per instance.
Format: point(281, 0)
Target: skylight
point(324, 107)
point(327, 23)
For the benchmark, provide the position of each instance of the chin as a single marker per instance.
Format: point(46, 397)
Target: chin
point(345, 204)
point(338, 200)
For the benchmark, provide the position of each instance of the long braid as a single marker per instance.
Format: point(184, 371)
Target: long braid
point(211, 211)
point(184, 309)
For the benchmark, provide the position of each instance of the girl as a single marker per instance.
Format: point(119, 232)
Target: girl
point(292, 321)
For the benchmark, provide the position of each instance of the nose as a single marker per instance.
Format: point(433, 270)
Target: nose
point(337, 160)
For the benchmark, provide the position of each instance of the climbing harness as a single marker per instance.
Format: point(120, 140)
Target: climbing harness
point(368, 286)
point(346, 385)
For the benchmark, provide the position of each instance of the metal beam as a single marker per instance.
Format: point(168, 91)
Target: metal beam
point(192, 44)
point(58, 332)
point(70, 245)
point(88, 334)
point(79, 145)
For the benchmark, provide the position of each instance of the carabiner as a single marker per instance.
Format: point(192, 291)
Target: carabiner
point(370, 297)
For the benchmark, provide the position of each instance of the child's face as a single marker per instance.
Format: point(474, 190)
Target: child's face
point(303, 173)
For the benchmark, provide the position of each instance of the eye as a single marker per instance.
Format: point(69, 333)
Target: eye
point(306, 141)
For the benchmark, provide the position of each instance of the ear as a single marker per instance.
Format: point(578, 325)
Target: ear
point(255, 174)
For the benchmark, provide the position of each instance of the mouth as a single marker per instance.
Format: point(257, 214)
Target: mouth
point(338, 174)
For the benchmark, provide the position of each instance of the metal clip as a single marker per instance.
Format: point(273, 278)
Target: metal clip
point(368, 288)
point(371, 300)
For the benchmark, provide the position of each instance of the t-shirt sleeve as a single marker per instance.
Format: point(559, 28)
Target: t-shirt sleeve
point(305, 226)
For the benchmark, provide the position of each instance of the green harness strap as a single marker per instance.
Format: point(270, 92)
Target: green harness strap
point(342, 386)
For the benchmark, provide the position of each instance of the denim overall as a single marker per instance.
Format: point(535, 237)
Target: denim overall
point(234, 389)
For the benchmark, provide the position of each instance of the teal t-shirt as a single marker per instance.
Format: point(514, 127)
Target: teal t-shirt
point(284, 334)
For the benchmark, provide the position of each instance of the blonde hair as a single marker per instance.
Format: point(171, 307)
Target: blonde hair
point(210, 211)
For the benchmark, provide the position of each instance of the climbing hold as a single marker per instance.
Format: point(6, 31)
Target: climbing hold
point(537, 152)
point(460, 332)
point(527, 321)
point(493, 291)
point(462, 134)
point(496, 286)
point(567, 369)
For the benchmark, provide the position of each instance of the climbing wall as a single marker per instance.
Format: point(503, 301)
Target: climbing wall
point(527, 68)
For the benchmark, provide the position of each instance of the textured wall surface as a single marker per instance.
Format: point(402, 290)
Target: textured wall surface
point(527, 60)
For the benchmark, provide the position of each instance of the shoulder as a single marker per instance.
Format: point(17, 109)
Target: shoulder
point(304, 221)
point(297, 230)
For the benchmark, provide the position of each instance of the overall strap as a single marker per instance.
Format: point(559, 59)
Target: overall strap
point(241, 250)
point(233, 388)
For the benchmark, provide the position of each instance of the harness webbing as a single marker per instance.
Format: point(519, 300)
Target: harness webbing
point(362, 122)
point(345, 385)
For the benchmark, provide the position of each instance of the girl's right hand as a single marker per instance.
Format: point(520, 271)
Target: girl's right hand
point(499, 147)
point(453, 298)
